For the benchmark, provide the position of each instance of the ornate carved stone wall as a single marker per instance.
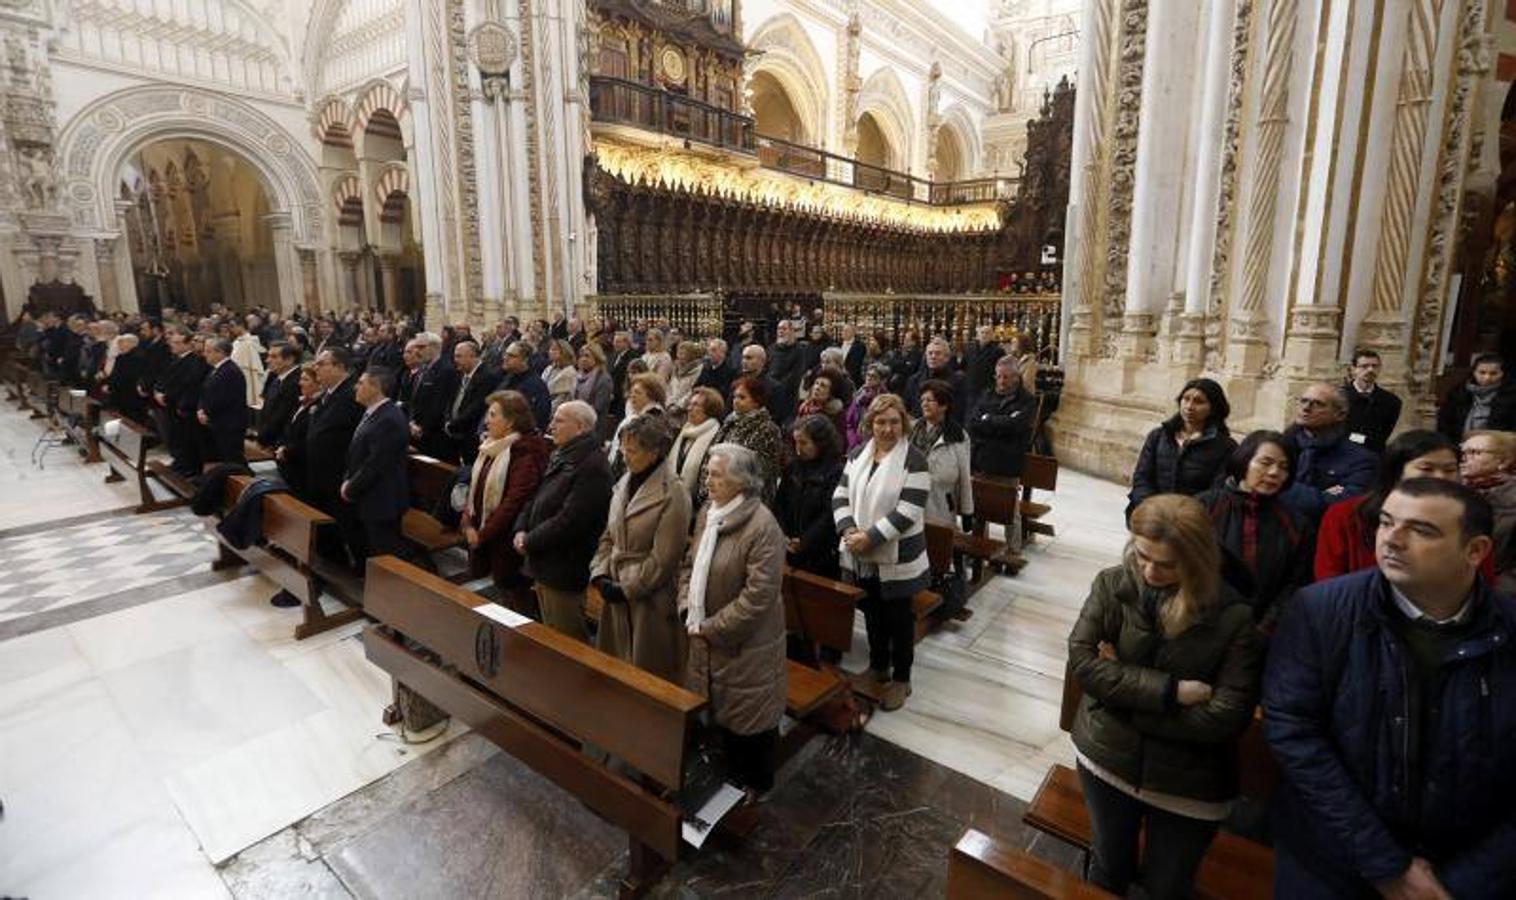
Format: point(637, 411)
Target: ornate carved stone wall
point(1114, 394)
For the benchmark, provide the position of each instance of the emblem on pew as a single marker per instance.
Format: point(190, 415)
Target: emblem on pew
point(487, 650)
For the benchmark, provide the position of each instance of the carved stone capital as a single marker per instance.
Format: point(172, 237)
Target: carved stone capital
point(1315, 321)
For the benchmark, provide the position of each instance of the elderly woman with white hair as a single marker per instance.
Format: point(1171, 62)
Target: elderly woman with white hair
point(729, 595)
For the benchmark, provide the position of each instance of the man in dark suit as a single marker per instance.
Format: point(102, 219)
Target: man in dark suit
point(622, 354)
point(411, 363)
point(938, 365)
point(178, 396)
point(717, 372)
point(781, 402)
point(520, 377)
point(374, 488)
point(431, 397)
point(281, 394)
point(223, 404)
point(154, 350)
point(854, 352)
point(466, 409)
point(1372, 410)
point(980, 358)
point(331, 428)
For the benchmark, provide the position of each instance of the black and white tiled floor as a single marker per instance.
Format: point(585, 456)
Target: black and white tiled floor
point(59, 567)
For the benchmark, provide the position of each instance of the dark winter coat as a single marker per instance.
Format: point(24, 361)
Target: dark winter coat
point(1286, 545)
point(1454, 411)
point(1373, 415)
point(1336, 711)
point(1163, 467)
point(1129, 722)
point(1000, 429)
point(803, 507)
point(564, 520)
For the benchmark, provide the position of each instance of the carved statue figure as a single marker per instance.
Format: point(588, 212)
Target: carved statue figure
point(37, 178)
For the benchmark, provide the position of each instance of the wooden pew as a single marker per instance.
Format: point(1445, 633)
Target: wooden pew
point(995, 501)
point(40, 394)
point(428, 478)
point(1234, 868)
point(542, 696)
point(820, 612)
point(1040, 473)
point(286, 555)
point(125, 454)
point(79, 415)
point(982, 868)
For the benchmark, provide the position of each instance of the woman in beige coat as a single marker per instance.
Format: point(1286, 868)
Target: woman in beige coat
point(636, 568)
point(729, 594)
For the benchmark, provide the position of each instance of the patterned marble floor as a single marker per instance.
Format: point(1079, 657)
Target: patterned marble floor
point(147, 739)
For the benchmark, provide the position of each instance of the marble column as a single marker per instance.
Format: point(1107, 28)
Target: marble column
point(310, 291)
point(1162, 153)
point(352, 292)
point(431, 184)
point(126, 274)
point(110, 298)
point(389, 281)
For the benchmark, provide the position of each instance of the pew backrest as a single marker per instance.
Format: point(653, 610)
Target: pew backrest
point(429, 479)
point(575, 689)
point(820, 608)
point(288, 523)
point(982, 868)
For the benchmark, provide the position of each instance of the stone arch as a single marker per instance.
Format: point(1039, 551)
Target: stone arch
point(391, 190)
point(884, 98)
point(786, 53)
point(958, 122)
point(102, 135)
point(334, 123)
point(347, 197)
point(381, 95)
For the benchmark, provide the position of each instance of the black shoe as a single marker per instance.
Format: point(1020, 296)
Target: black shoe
point(284, 599)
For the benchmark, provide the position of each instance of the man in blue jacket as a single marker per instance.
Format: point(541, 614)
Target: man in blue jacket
point(1330, 465)
point(1390, 704)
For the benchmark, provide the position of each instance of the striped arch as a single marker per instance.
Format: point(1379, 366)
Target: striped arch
point(391, 190)
point(381, 95)
point(334, 125)
point(347, 195)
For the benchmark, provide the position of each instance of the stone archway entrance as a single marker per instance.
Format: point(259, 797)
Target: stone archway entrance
point(106, 135)
point(197, 228)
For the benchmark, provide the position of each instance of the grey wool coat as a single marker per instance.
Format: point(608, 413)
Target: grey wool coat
point(642, 549)
point(737, 661)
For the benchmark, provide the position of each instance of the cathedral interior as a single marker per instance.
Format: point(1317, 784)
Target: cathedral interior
point(1144, 193)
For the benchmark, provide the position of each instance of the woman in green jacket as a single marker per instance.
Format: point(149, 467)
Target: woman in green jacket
point(1169, 662)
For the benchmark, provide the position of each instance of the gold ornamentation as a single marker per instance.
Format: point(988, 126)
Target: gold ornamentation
point(672, 63)
point(688, 171)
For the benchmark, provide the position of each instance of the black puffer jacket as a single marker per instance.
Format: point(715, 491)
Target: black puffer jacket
point(1000, 429)
point(1163, 467)
point(1128, 722)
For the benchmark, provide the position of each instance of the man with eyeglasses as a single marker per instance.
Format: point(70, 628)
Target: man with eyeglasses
point(1372, 410)
point(1329, 466)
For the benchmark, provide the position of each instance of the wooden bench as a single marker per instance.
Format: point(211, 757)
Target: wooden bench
point(39, 394)
point(995, 502)
point(1040, 473)
point(79, 416)
point(124, 448)
point(543, 698)
point(429, 479)
point(982, 868)
point(820, 613)
point(285, 553)
point(1234, 868)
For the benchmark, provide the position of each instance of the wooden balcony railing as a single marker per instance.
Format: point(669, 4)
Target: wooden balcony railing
point(620, 102)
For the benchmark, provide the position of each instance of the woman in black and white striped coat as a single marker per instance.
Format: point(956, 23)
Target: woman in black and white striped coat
point(879, 506)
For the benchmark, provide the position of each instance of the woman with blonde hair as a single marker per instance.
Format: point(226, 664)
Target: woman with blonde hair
point(559, 376)
point(656, 355)
point(1169, 663)
point(690, 354)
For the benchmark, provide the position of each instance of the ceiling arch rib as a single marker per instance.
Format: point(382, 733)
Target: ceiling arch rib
point(224, 42)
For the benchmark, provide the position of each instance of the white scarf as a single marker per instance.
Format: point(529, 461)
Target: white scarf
point(873, 498)
point(692, 436)
point(494, 485)
point(705, 551)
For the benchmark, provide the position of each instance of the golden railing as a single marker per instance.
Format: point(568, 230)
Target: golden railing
point(957, 316)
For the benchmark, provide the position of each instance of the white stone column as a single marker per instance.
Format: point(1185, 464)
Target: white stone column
point(1168, 85)
point(286, 261)
point(1091, 99)
point(423, 43)
point(389, 281)
point(126, 276)
point(1208, 175)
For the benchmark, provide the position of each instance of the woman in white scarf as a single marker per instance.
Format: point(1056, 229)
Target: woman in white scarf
point(729, 592)
point(644, 397)
point(702, 420)
point(512, 457)
point(879, 505)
